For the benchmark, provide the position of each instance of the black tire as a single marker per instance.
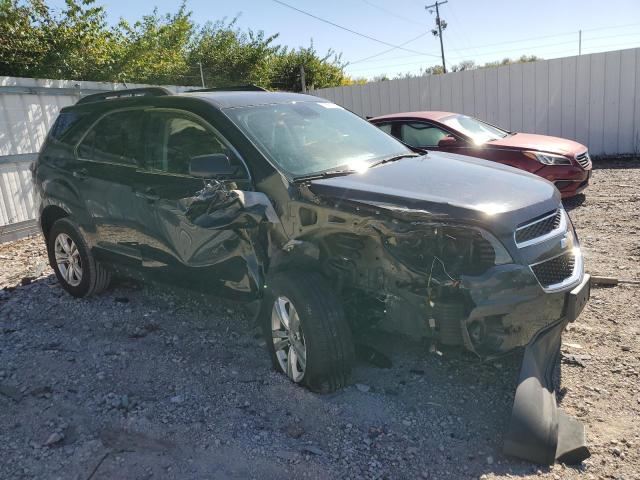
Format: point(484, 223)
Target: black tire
point(329, 347)
point(95, 278)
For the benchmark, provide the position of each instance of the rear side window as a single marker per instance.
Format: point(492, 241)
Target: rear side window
point(175, 138)
point(63, 124)
point(116, 138)
point(418, 134)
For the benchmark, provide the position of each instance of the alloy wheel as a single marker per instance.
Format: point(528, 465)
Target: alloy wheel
point(68, 259)
point(288, 339)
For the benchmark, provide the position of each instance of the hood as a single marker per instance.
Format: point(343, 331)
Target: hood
point(542, 143)
point(447, 185)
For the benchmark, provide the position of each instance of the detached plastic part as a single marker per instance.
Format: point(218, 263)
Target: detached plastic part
point(539, 431)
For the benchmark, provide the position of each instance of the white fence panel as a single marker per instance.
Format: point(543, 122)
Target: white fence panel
point(16, 193)
point(568, 97)
point(627, 89)
point(28, 108)
point(594, 99)
point(504, 96)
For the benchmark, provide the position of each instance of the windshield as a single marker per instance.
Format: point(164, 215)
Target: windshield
point(303, 138)
point(479, 131)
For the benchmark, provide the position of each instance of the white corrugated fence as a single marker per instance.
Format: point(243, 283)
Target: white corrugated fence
point(28, 108)
point(594, 99)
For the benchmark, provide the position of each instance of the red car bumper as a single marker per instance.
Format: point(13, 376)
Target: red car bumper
point(570, 180)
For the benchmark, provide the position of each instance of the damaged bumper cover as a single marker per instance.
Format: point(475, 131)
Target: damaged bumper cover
point(539, 431)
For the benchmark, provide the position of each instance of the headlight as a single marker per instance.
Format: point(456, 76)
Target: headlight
point(548, 158)
point(460, 249)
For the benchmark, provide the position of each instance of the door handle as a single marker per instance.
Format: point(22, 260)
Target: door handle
point(149, 194)
point(80, 173)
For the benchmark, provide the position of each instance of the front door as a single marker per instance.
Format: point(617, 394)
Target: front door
point(184, 247)
point(424, 135)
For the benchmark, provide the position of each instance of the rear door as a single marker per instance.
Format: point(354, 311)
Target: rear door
point(108, 157)
point(179, 249)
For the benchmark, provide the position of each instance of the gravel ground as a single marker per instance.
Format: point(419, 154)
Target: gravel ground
point(148, 382)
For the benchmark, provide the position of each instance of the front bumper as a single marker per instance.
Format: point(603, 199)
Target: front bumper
point(510, 309)
point(570, 180)
point(539, 431)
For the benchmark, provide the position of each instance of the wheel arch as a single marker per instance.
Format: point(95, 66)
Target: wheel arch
point(50, 215)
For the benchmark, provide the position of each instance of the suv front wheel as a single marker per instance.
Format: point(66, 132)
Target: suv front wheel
point(307, 335)
point(72, 261)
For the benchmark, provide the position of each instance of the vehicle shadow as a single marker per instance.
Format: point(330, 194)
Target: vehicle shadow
point(574, 202)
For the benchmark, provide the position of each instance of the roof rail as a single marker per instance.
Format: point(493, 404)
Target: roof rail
point(132, 92)
point(232, 88)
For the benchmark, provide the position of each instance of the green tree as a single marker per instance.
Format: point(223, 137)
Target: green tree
point(230, 56)
point(156, 49)
point(36, 42)
point(77, 43)
point(320, 72)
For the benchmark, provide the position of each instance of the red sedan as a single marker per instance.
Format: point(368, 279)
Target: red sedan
point(564, 162)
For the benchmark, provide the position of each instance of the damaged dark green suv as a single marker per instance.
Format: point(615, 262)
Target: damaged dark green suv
point(328, 225)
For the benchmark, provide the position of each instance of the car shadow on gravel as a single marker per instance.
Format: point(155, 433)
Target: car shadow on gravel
point(574, 202)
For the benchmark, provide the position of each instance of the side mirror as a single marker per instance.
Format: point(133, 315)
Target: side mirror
point(448, 141)
point(212, 165)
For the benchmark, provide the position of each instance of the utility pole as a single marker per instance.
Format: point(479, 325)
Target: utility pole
point(441, 26)
point(579, 42)
point(303, 81)
point(201, 74)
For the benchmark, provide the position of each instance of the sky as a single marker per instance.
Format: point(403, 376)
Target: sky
point(480, 30)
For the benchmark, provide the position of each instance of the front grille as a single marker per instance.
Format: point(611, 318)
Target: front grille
point(584, 160)
point(555, 270)
point(544, 225)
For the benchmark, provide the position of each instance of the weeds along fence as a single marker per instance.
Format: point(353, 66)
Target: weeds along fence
point(28, 108)
point(594, 99)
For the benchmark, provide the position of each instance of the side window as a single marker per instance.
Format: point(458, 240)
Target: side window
point(116, 138)
point(63, 124)
point(419, 134)
point(176, 138)
point(385, 127)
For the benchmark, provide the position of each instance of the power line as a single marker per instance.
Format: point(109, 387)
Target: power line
point(500, 52)
point(389, 50)
point(458, 24)
point(458, 57)
point(352, 31)
point(551, 36)
point(393, 14)
point(562, 51)
point(610, 27)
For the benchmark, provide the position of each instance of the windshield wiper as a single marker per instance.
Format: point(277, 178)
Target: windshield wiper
point(393, 159)
point(325, 174)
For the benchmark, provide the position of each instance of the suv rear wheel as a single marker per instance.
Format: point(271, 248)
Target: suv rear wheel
point(72, 261)
point(307, 335)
